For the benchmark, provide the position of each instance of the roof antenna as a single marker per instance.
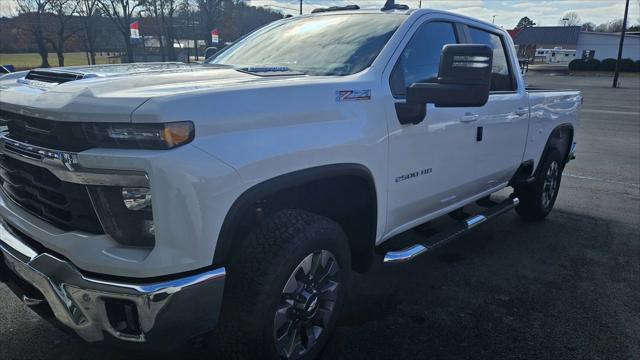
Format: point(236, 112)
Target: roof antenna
point(391, 5)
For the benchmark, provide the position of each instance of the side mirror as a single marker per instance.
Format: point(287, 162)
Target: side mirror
point(210, 51)
point(464, 78)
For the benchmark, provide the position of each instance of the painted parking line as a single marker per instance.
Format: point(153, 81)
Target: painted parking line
point(600, 179)
point(610, 112)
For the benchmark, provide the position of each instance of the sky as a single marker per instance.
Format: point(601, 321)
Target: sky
point(507, 12)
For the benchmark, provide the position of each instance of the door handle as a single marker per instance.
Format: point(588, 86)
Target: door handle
point(469, 117)
point(522, 111)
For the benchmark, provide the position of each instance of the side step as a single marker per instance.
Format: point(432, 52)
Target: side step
point(453, 232)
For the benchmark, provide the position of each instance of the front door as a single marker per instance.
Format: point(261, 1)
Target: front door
point(431, 164)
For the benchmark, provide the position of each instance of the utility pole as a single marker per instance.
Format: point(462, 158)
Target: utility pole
point(144, 50)
point(420, 4)
point(624, 31)
point(493, 21)
point(300, 7)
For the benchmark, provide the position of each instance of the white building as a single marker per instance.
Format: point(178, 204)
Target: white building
point(602, 46)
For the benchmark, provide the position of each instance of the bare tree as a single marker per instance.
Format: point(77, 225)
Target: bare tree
point(170, 8)
point(87, 9)
point(601, 28)
point(164, 13)
point(615, 26)
point(588, 26)
point(570, 18)
point(120, 12)
point(155, 8)
point(34, 12)
point(62, 26)
point(612, 26)
point(209, 11)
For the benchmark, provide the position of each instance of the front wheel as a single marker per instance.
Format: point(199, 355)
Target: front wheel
point(307, 305)
point(537, 199)
point(284, 288)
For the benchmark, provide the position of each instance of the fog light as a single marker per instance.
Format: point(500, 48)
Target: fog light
point(136, 198)
point(149, 227)
point(125, 214)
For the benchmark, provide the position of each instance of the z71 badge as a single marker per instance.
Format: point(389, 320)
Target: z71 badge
point(352, 95)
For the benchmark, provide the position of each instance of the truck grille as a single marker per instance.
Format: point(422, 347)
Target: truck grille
point(37, 190)
point(45, 133)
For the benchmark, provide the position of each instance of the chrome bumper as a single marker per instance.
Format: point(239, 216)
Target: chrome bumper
point(165, 313)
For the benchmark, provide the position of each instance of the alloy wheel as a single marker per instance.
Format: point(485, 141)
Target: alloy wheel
point(306, 305)
point(550, 185)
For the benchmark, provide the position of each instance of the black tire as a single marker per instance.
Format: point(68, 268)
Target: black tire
point(256, 279)
point(537, 199)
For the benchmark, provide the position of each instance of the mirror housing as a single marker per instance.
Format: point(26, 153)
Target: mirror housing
point(210, 51)
point(464, 78)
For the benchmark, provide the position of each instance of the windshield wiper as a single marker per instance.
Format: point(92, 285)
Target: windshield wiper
point(269, 70)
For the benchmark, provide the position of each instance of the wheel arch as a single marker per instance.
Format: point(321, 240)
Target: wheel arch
point(560, 138)
point(313, 189)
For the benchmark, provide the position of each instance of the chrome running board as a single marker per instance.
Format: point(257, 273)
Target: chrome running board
point(453, 232)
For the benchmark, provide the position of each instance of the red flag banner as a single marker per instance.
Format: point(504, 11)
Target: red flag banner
point(135, 30)
point(215, 37)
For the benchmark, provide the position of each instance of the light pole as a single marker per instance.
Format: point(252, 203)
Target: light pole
point(144, 50)
point(493, 21)
point(622, 34)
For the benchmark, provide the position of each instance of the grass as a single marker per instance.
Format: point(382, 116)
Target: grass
point(26, 61)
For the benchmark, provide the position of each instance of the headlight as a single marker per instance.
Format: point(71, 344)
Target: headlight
point(138, 136)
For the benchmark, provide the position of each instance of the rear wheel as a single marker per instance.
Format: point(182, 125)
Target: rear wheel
point(537, 199)
point(284, 289)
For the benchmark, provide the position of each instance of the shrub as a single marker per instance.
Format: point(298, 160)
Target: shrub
point(576, 64)
point(593, 64)
point(608, 65)
point(627, 65)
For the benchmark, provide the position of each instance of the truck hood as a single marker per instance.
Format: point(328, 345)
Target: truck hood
point(110, 93)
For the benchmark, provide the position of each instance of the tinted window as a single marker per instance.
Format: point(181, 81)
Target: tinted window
point(501, 79)
point(420, 60)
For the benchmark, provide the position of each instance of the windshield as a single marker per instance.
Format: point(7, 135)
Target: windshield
point(318, 45)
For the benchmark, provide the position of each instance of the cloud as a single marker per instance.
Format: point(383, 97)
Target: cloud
point(507, 12)
point(7, 8)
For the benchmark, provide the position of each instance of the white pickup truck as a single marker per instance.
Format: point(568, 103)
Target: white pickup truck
point(153, 203)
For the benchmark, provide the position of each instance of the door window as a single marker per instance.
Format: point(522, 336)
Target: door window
point(420, 60)
point(501, 76)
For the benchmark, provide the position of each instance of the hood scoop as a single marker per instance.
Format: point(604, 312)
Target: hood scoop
point(53, 76)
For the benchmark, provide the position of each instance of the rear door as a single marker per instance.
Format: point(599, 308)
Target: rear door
point(502, 124)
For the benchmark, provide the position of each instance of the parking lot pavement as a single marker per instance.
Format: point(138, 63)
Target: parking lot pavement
point(568, 287)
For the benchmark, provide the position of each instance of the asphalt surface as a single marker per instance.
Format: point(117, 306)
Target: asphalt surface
point(564, 288)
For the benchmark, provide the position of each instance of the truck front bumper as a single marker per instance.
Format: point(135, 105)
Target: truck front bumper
point(164, 313)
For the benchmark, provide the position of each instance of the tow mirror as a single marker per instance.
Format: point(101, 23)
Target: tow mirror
point(464, 78)
point(210, 51)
